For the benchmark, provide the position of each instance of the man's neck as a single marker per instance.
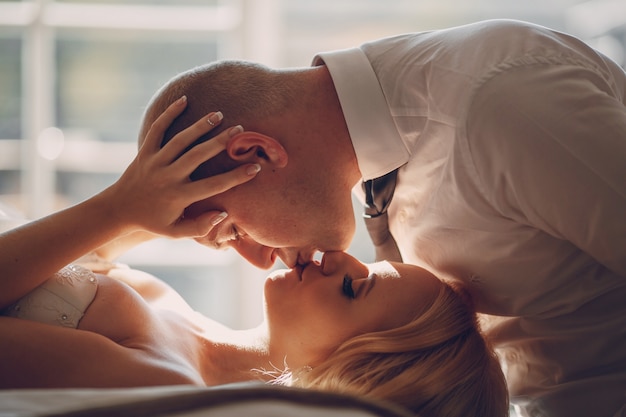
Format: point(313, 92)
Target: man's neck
point(322, 124)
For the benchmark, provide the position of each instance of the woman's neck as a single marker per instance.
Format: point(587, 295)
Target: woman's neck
point(229, 355)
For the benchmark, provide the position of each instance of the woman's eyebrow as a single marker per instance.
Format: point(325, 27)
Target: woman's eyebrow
point(367, 285)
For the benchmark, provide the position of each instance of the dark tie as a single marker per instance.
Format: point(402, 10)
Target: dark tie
point(378, 195)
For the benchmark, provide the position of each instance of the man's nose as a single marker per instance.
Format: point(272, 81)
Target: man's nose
point(258, 255)
point(336, 260)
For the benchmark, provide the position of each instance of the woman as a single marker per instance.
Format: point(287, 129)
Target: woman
point(389, 331)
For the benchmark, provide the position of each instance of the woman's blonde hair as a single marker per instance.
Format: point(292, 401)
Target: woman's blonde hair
point(439, 364)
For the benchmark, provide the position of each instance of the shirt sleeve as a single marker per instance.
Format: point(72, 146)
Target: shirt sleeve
point(548, 145)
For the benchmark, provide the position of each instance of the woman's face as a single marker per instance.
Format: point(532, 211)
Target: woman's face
point(311, 310)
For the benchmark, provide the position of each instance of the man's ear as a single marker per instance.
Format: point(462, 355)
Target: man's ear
point(254, 147)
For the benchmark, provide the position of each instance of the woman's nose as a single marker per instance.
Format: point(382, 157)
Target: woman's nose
point(329, 263)
point(335, 261)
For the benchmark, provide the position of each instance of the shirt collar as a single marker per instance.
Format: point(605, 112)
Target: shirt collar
point(378, 146)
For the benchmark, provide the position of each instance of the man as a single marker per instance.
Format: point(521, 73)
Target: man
point(509, 141)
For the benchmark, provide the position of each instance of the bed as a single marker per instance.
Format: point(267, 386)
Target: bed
point(247, 399)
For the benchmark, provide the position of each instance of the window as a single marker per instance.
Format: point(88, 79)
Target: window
point(75, 76)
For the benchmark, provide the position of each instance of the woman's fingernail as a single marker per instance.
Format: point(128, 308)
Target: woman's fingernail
point(235, 130)
point(219, 218)
point(253, 169)
point(215, 118)
point(182, 100)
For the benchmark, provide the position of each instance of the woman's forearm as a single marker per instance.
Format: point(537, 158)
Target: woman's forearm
point(113, 249)
point(122, 214)
point(36, 250)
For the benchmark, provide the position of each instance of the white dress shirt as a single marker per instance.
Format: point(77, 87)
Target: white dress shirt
point(511, 140)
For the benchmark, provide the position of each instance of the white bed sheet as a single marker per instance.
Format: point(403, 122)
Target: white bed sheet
point(249, 399)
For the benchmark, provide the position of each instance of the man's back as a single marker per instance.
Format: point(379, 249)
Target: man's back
point(514, 186)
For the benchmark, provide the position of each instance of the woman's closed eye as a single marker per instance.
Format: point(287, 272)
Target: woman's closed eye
point(357, 288)
point(346, 288)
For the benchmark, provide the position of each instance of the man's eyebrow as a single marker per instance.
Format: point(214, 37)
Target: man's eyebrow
point(212, 239)
point(213, 244)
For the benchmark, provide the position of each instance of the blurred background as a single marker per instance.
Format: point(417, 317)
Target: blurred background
point(75, 76)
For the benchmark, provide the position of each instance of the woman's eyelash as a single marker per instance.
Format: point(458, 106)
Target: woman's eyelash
point(347, 289)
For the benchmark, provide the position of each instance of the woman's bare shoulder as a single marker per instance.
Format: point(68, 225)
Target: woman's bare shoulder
point(155, 291)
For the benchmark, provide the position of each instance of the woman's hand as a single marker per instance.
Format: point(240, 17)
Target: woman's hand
point(149, 198)
point(153, 192)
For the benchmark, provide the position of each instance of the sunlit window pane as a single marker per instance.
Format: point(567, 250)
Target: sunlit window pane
point(10, 87)
point(104, 85)
point(150, 2)
point(102, 89)
point(10, 116)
